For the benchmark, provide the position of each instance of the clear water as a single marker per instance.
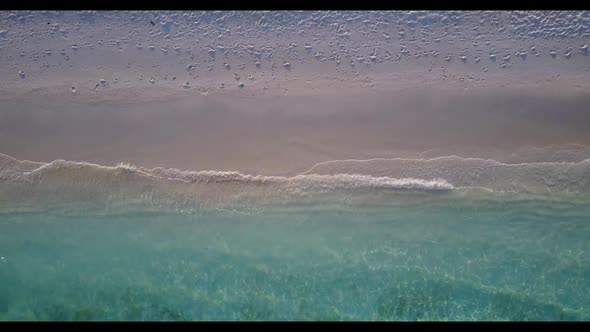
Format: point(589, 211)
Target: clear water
point(525, 260)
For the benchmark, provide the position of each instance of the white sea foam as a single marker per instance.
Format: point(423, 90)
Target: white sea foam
point(530, 177)
point(440, 173)
point(312, 181)
point(78, 183)
point(85, 185)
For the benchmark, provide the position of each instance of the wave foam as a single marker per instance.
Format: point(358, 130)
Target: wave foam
point(373, 180)
point(312, 181)
point(530, 177)
point(79, 183)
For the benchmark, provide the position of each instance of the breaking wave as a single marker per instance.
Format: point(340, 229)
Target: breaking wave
point(530, 177)
point(25, 172)
point(68, 182)
point(27, 184)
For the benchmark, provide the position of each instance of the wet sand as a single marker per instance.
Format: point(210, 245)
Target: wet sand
point(286, 134)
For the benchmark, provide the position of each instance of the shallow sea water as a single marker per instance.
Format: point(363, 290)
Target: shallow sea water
point(460, 260)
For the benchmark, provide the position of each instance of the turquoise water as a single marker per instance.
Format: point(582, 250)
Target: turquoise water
point(460, 260)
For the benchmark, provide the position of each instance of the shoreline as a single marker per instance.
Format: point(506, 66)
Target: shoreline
point(284, 135)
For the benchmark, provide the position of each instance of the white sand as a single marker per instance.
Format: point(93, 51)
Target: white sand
point(88, 86)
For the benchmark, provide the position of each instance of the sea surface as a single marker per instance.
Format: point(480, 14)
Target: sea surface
point(433, 257)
